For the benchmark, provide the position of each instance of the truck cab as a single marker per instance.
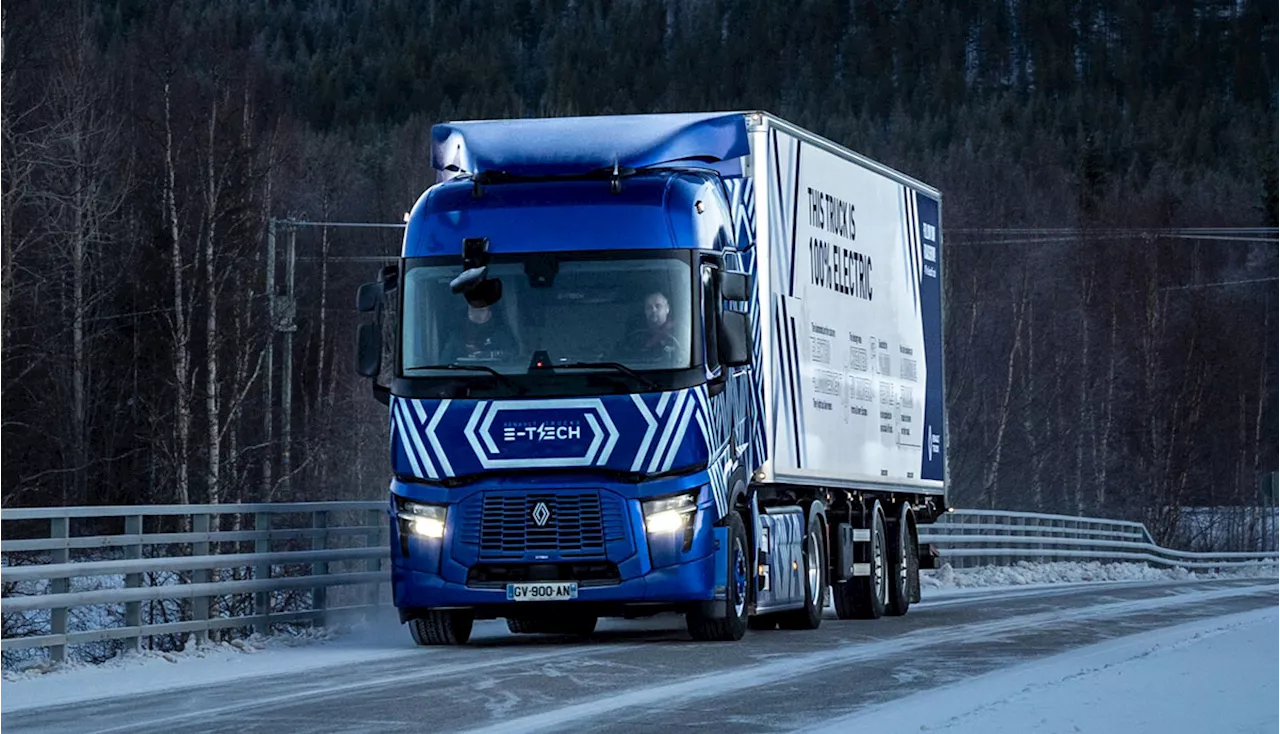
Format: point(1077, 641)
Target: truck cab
point(570, 395)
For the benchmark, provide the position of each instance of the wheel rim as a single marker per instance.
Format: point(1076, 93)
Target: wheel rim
point(739, 578)
point(878, 572)
point(814, 568)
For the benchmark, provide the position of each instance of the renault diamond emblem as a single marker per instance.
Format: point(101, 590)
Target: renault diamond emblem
point(541, 514)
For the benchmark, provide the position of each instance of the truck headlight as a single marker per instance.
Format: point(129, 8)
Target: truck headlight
point(670, 514)
point(424, 520)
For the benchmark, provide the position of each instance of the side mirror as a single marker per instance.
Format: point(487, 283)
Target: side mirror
point(368, 297)
point(733, 286)
point(368, 350)
point(734, 338)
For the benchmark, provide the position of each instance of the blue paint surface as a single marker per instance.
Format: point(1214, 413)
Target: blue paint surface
point(574, 145)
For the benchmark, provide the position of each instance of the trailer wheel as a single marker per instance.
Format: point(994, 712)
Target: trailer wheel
point(577, 625)
point(732, 625)
point(865, 597)
point(905, 563)
point(442, 627)
point(815, 586)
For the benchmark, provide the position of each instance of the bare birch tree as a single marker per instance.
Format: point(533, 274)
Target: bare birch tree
point(86, 192)
point(179, 320)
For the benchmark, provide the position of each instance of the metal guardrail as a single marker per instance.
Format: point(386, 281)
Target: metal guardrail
point(191, 540)
point(194, 554)
point(993, 537)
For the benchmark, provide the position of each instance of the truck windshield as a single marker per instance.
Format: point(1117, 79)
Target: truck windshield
point(621, 312)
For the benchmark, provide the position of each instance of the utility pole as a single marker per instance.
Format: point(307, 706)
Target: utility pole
point(289, 325)
point(268, 413)
point(282, 311)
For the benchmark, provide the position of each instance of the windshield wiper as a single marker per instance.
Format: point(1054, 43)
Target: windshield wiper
point(646, 382)
point(520, 389)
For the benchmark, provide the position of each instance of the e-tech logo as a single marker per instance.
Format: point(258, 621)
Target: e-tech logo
point(546, 431)
point(935, 444)
point(541, 433)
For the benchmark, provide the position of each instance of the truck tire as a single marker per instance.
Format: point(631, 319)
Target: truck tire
point(733, 625)
point(904, 562)
point(865, 597)
point(577, 625)
point(815, 585)
point(442, 627)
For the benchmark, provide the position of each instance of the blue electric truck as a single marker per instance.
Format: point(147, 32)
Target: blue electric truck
point(659, 363)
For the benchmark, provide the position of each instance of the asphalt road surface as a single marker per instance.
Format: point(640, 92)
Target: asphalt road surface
point(647, 676)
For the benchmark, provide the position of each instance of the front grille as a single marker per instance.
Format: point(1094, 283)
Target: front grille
point(573, 524)
point(498, 575)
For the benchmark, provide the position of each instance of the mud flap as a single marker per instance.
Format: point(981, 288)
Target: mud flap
point(716, 608)
point(843, 557)
point(929, 557)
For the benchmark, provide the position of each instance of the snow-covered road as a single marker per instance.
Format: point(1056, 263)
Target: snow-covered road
point(644, 676)
point(1213, 675)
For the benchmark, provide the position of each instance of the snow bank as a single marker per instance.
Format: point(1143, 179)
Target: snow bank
point(377, 638)
point(146, 658)
point(1024, 573)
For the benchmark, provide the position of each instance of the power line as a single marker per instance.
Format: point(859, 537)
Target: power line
point(1221, 283)
point(1274, 231)
point(368, 225)
point(350, 258)
point(1078, 237)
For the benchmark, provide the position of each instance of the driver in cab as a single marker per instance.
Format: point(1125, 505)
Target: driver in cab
point(656, 339)
point(481, 337)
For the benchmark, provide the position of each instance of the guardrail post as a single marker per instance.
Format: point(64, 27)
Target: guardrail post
point(320, 541)
point(1014, 531)
point(262, 599)
point(1067, 532)
point(373, 518)
point(961, 521)
point(1034, 523)
point(978, 561)
point(59, 527)
point(200, 604)
point(133, 609)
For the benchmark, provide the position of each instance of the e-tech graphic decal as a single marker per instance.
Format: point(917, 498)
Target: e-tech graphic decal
point(508, 434)
point(784, 183)
point(653, 433)
point(751, 404)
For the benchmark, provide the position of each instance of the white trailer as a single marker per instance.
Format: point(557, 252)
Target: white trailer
point(848, 259)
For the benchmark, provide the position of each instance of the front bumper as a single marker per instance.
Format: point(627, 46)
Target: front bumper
point(686, 582)
point(652, 571)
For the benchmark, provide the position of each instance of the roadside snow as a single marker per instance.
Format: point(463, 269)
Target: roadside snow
point(1024, 573)
point(379, 638)
point(1216, 675)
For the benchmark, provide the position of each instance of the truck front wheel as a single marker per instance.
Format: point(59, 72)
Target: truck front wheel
point(442, 627)
point(731, 623)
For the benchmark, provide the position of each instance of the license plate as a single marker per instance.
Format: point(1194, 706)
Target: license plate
point(558, 591)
